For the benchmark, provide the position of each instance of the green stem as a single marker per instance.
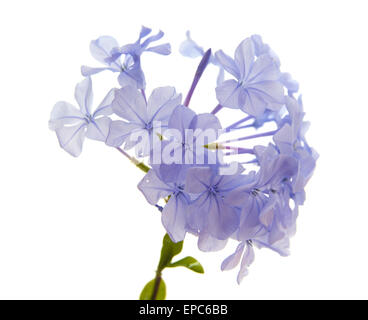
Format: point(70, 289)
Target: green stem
point(157, 285)
point(137, 163)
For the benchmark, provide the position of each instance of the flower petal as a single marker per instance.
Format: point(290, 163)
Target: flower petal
point(119, 132)
point(181, 119)
point(264, 68)
point(223, 220)
point(190, 48)
point(174, 217)
point(162, 103)
point(164, 49)
point(130, 105)
point(207, 243)
point(198, 179)
point(247, 260)
point(105, 107)
point(233, 260)
point(133, 76)
point(71, 138)
point(84, 96)
point(101, 48)
point(153, 188)
point(231, 95)
point(244, 57)
point(98, 129)
point(227, 63)
point(63, 114)
point(88, 71)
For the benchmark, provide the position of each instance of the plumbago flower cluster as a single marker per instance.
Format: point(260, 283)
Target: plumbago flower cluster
point(199, 183)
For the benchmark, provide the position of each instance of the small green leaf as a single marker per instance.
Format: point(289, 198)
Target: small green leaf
point(168, 251)
point(188, 262)
point(147, 291)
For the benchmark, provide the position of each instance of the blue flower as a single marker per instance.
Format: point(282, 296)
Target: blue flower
point(106, 50)
point(174, 214)
point(190, 148)
point(243, 252)
point(141, 119)
point(257, 86)
point(72, 125)
point(290, 140)
point(210, 212)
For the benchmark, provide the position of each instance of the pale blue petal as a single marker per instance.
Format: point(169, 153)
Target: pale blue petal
point(101, 48)
point(162, 103)
point(227, 63)
point(220, 77)
point(198, 179)
point(244, 58)
point(290, 84)
point(84, 96)
point(130, 105)
point(260, 47)
point(174, 217)
point(153, 188)
point(231, 95)
point(71, 138)
point(190, 48)
point(164, 49)
point(120, 131)
point(249, 221)
point(223, 220)
point(207, 243)
point(206, 121)
point(233, 260)
point(264, 68)
point(181, 118)
point(98, 129)
point(133, 76)
point(63, 114)
point(247, 260)
point(88, 71)
point(262, 95)
point(151, 39)
point(144, 32)
point(105, 107)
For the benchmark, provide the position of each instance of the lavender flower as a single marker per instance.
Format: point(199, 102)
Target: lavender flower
point(174, 214)
point(106, 50)
point(255, 205)
point(141, 119)
point(189, 145)
point(257, 86)
point(72, 125)
point(211, 212)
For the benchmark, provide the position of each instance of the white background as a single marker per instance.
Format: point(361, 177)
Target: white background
point(79, 229)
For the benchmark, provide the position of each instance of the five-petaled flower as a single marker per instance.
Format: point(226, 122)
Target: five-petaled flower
point(72, 125)
point(257, 86)
point(106, 50)
point(142, 119)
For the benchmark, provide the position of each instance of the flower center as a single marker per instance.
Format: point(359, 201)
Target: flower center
point(149, 126)
point(213, 190)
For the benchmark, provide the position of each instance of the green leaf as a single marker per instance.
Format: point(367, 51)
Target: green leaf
point(147, 291)
point(188, 262)
point(168, 251)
